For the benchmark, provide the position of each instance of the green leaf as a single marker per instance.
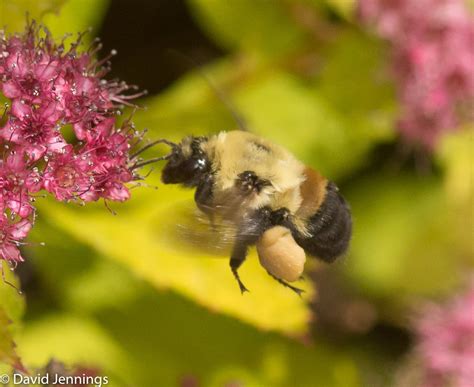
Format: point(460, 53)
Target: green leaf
point(284, 109)
point(250, 25)
point(10, 300)
point(354, 81)
point(13, 13)
point(8, 353)
point(344, 8)
point(456, 156)
point(315, 121)
point(402, 247)
point(74, 339)
point(354, 84)
point(77, 16)
point(189, 106)
point(60, 16)
point(145, 237)
point(182, 340)
point(413, 233)
point(83, 280)
point(11, 310)
point(331, 121)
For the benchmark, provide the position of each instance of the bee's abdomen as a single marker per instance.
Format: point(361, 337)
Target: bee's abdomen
point(330, 227)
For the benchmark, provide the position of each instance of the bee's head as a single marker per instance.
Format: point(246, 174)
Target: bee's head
point(187, 162)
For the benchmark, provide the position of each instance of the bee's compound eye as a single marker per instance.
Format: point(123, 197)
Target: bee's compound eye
point(198, 164)
point(201, 163)
point(176, 157)
point(280, 254)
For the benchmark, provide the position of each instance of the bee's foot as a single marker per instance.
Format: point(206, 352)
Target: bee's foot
point(298, 291)
point(242, 287)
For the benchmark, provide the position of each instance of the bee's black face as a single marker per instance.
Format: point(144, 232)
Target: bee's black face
point(187, 170)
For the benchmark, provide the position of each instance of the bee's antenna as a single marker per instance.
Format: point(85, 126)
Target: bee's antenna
point(153, 143)
point(150, 161)
point(223, 97)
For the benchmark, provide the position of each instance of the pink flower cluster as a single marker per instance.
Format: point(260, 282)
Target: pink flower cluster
point(446, 342)
point(58, 131)
point(433, 60)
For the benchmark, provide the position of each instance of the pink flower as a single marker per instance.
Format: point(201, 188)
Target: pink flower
point(66, 176)
point(446, 342)
point(16, 184)
point(33, 128)
point(11, 233)
point(49, 89)
point(431, 43)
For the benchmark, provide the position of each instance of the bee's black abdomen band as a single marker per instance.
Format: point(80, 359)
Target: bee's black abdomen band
point(330, 227)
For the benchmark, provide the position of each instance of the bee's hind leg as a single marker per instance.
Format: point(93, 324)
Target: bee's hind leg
point(298, 291)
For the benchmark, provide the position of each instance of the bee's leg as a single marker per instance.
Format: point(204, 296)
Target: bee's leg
point(298, 291)
point(203, 197)
point(203, 194)
point(282, 217)
point(248, 233)
point(239, 253)
point(248, 182)
point(212, 222)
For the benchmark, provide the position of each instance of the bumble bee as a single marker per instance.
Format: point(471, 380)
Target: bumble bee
point(274, 201)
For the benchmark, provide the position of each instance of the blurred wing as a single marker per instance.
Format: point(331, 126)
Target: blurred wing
point(187, 228)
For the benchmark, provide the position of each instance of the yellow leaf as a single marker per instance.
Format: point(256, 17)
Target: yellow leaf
point(7, 345)
point(139, 237)
point(11, 309)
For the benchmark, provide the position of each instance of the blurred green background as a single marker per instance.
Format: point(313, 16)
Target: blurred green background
point(121, 295)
